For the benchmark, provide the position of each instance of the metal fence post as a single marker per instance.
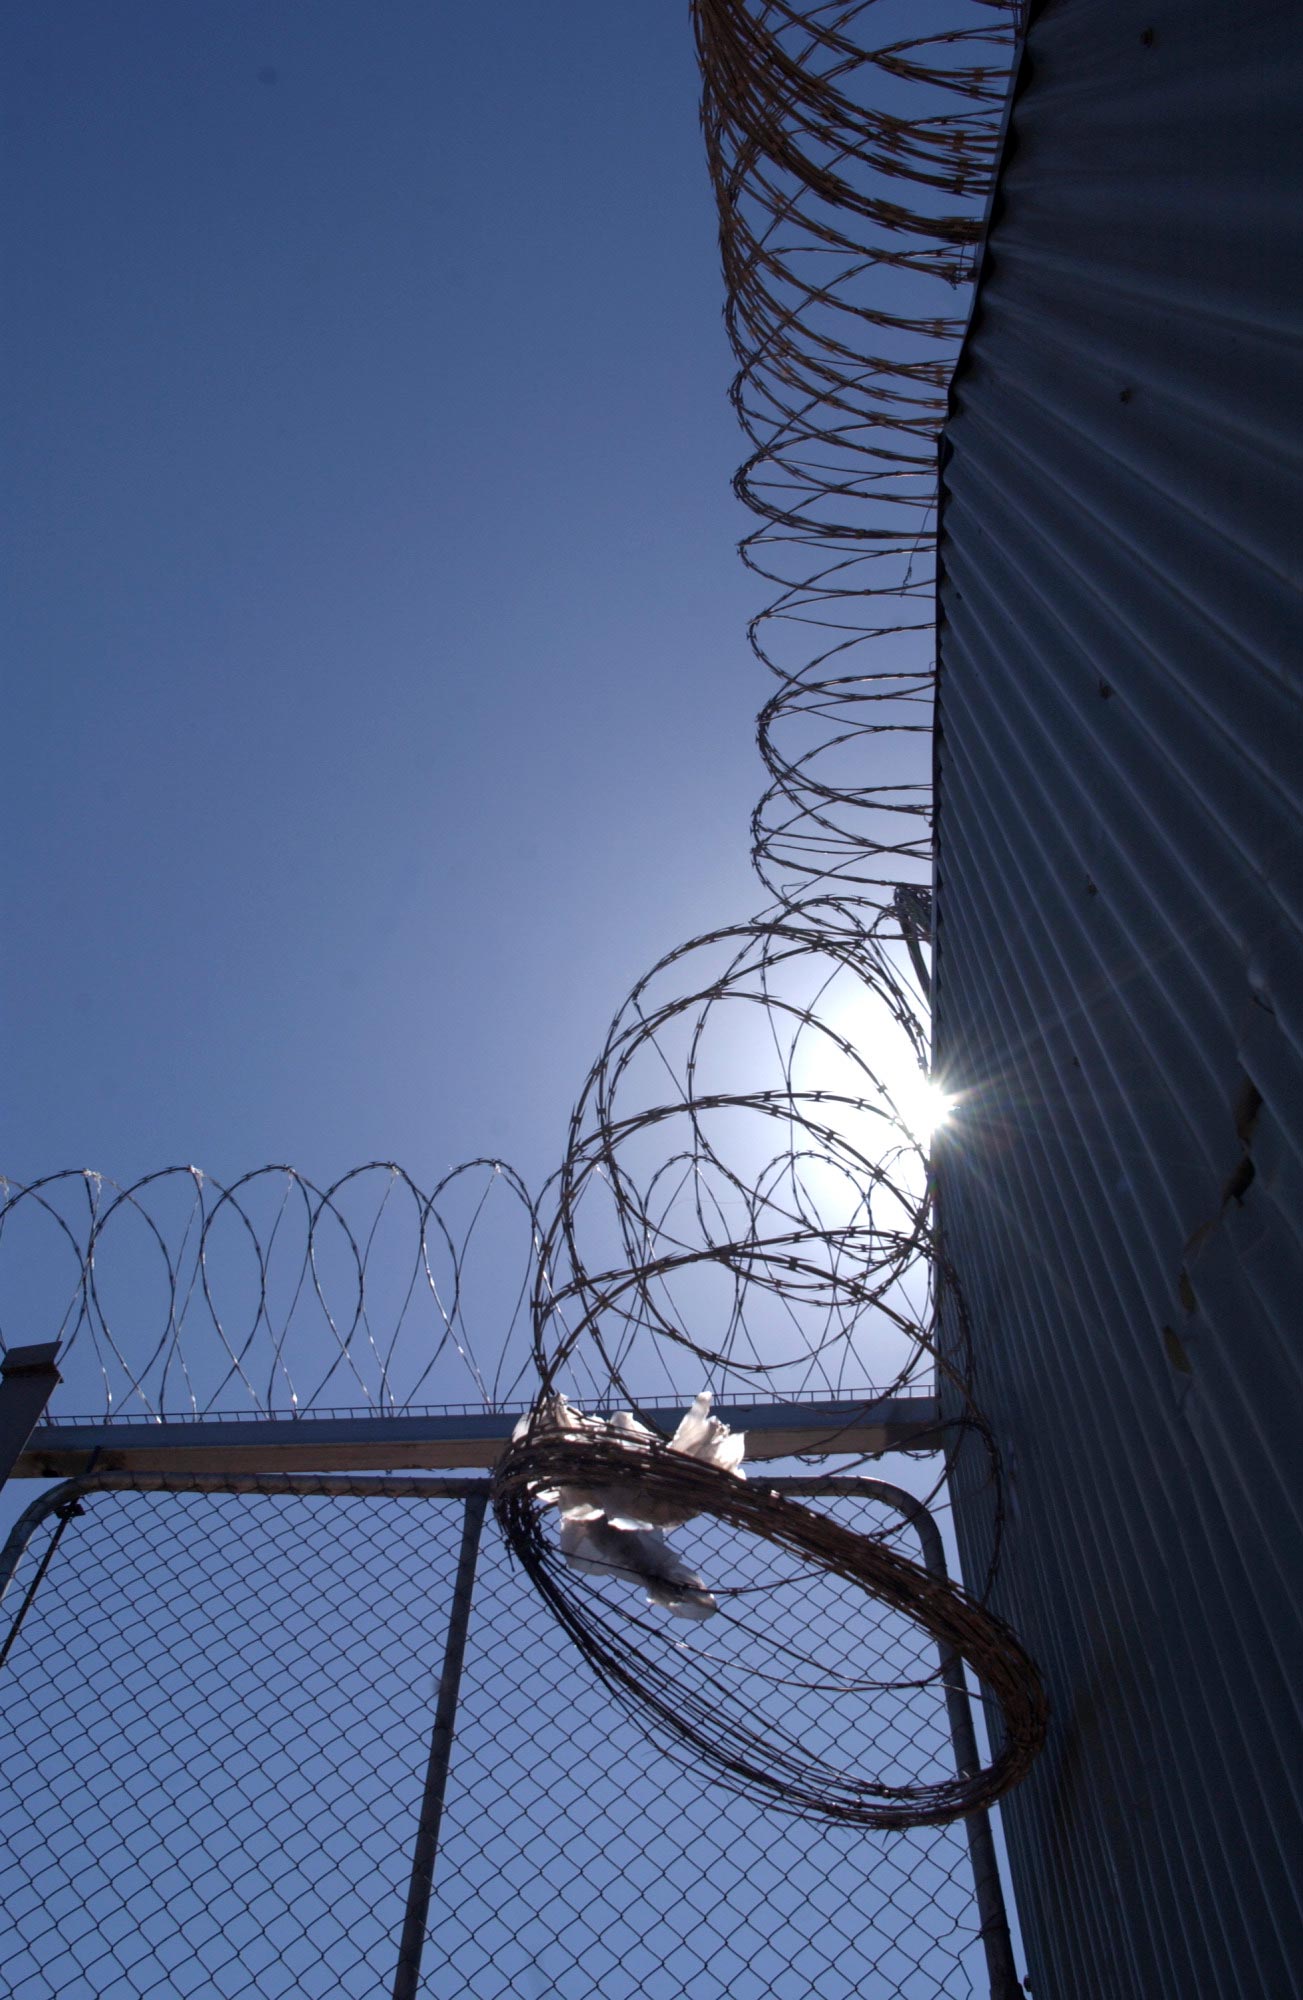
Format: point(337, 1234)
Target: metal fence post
point(28, 1378)
point(988, 1890)
point(66, 1510)
point(407, 1977)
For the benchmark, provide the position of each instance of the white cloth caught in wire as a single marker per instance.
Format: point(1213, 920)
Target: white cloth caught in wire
point(617, 1529)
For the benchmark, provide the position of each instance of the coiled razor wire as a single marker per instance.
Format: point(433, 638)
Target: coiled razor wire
point(732, 1702)
point(741, 1180)
point(177, 1295)
point(852, 150)
point(744, 1182)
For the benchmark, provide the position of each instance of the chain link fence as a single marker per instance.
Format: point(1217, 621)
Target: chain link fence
point(217, 1713)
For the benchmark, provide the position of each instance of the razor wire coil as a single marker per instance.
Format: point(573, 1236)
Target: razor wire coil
point(731, 1704)
point(775, 1221)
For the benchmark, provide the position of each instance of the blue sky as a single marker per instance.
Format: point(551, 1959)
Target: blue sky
point(379, 700)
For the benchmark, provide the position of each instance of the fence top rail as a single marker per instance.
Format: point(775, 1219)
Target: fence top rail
point(396, 1486)
point(443, 1442)
point(756, 1402)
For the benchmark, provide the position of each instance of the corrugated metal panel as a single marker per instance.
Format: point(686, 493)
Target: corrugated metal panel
point(1120, 977)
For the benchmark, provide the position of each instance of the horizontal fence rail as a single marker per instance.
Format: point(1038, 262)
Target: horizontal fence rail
point(380, 1443)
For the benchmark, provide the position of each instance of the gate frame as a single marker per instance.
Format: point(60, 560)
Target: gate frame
point(64, 1501)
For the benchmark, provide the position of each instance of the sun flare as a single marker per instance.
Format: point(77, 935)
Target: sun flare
point(923, 1102)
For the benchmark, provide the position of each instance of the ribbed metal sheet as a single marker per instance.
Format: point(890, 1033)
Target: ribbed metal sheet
point(1120, 977)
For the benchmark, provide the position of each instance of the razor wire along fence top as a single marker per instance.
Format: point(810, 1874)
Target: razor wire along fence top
point(218, 1716)
point(743, 1205)
point(178, 1296)
point(744, 1189)
point(744, 1193)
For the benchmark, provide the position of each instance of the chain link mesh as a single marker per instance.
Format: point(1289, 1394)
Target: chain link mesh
point(216, 1721)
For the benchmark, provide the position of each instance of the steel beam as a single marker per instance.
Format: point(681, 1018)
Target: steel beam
point(436, 1443)
point(28, 1378)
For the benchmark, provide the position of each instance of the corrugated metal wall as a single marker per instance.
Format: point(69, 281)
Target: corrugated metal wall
point(1120, 977)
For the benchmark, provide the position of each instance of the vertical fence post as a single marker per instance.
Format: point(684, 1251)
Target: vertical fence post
point(416, 1917)
point(28, 1378)
point(66, 1510)
point(992, 1918)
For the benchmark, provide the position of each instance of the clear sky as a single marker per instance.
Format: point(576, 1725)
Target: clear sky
point(378, 701)
point(379, 704)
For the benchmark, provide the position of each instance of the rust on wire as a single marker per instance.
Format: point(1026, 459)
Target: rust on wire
point(738, 1704)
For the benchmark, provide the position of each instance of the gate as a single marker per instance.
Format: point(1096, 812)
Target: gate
point(244, 1754)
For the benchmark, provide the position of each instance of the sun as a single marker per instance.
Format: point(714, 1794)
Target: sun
point(869, 1050)
point(923, 1101)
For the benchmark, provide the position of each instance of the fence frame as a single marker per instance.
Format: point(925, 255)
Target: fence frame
point(438, 1439)
point(64, 1502)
